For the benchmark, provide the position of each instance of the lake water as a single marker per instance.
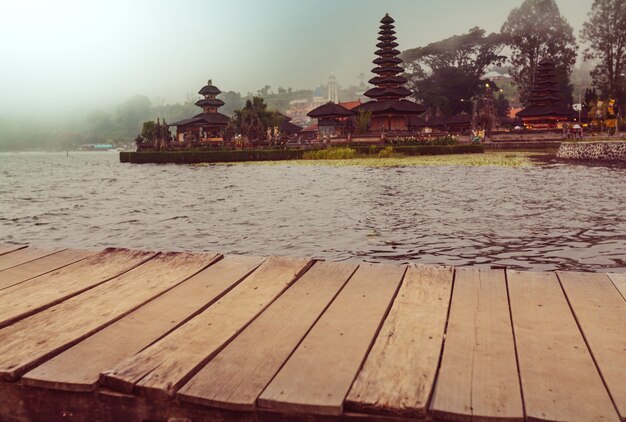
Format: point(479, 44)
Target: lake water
point(545, 217)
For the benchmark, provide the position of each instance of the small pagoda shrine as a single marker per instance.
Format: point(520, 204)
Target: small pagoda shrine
point(333, 120)
point(546, 108)
point(389, 110)
point(208, 126)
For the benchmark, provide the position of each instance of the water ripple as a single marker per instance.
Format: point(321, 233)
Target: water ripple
point(554, 216)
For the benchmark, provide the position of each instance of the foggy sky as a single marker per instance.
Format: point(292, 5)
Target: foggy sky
point(64, 54)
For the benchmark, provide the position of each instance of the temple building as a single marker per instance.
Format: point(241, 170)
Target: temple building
point(333, 120)
point(208, 126)
point(389, 110)
point(546, 108)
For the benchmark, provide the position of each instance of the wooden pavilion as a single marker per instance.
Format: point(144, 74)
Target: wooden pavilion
point(208, 126)
point(333, 120)
point(546, 109)
point(388, 108)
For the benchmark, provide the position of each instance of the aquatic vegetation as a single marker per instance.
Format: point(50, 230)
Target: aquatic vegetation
point(335, 153)
point(504, 159)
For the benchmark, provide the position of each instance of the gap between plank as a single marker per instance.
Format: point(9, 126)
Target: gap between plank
point(580, 328)
point(431, 395)
point(306, 334)
point(519, 373)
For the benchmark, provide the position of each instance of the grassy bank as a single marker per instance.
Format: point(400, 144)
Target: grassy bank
point(502, 159)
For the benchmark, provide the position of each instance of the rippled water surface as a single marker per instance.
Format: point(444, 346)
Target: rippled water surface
point(553, 216)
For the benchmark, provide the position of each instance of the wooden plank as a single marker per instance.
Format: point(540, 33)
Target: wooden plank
point(478, 378)
point(32, 269)
point(33, 340)
point(318, 376)
point(5, 249)
point(619, 280)
point(398, 375)
point(22, 256)
point(559, 379)
point(600, 311)
point(161, 369)
point(24, 299)
point(78, 368)
point(239, 373)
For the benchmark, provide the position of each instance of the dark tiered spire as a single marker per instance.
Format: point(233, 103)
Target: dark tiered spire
point(389, 91)
point(544, 97)
point(388, 82)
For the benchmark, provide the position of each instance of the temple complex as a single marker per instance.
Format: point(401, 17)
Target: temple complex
point(546, 108)
point(389, 110)
point(208, 126)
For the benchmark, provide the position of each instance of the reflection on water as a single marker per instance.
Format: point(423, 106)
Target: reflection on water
point(553, 216)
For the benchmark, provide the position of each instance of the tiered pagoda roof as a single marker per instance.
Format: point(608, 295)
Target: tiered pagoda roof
point(389, 92)
point(209, 104)
point(544, 97)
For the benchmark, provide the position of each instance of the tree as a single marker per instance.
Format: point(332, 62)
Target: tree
point(264, 91)
point(536, 30)
point(605, 32)
point(446, 74)
point(254, 120)
point(502, 106)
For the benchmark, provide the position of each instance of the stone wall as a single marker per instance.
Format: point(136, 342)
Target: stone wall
point(593, 151)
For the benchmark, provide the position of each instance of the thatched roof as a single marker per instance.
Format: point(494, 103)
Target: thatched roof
point(329, 110)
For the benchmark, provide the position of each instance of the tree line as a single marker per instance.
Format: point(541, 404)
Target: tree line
point(446, 74)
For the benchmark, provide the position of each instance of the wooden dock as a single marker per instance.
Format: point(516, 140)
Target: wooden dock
point(123, 335)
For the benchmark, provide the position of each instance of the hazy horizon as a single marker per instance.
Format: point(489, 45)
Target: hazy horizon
point(72, 55)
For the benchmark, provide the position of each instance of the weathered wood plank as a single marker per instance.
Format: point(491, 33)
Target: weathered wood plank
point(22, 256)
point(31, 341)
point(559, 379)
point(318, 376)
point(600, 311)
point(478, 378)
point(620, 282)
point(398, 375)
point(78, 368)
point(161, 369)
point(5, 249)
point(32, 269)
point(239, 373)
point(24, 299)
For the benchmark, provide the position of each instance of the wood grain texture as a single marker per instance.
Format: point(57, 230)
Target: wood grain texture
point(318, 376)
point(31, 341)
point(32, 269)
point(161, 369)
point(619, 280)
point(398, 375)
point(478, 378)
point(22, 256)
point(559, 379)
point(239, 373)
point(600, 311)
point(78, 368)
point(5, 249)
point(29, 297)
